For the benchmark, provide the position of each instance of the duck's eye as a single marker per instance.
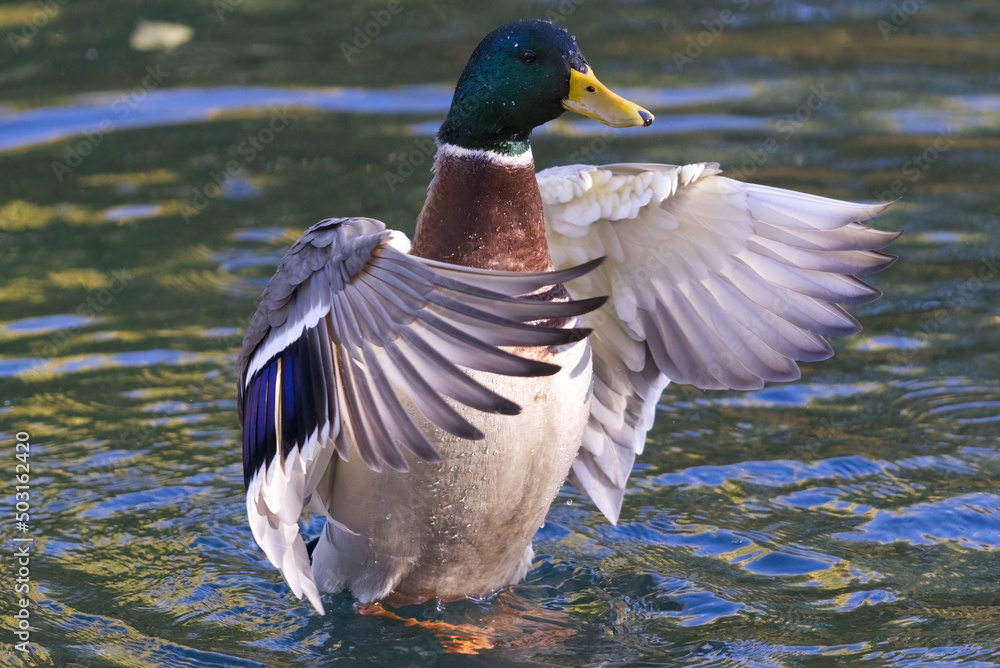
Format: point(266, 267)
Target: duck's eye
point(529, 56)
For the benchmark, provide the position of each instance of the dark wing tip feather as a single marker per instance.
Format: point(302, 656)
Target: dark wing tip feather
point(887, 261)
point(886, 237)
point(577, 334)
point(562, 336)
point(865, 299)
point(508, 408)
point(584, 306)
point(530, 368)
point(564, 275)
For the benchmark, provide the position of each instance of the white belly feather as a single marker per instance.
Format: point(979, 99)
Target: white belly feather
point(462, 526)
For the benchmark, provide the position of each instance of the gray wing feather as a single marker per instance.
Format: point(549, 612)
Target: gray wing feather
point(350, 331)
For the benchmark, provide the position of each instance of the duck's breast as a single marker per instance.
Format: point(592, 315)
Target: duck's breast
point(462, 526)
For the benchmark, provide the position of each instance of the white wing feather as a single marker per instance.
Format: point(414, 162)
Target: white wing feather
point(713, 282)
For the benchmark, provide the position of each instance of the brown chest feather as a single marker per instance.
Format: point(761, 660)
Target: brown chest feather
point(483, 213)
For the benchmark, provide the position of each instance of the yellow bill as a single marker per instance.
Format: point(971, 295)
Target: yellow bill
point(590, 97)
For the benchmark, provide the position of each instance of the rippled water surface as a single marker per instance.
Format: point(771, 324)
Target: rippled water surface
point(151, 178)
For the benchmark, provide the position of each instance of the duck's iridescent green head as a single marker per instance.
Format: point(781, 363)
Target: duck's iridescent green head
point(522, 75)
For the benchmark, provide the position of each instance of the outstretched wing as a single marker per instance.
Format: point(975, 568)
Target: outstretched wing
point(347, 325)
point(713, 282)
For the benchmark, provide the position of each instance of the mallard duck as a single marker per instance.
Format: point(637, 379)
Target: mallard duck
point(430, 399)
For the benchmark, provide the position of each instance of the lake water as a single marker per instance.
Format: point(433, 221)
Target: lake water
point(148, 192)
